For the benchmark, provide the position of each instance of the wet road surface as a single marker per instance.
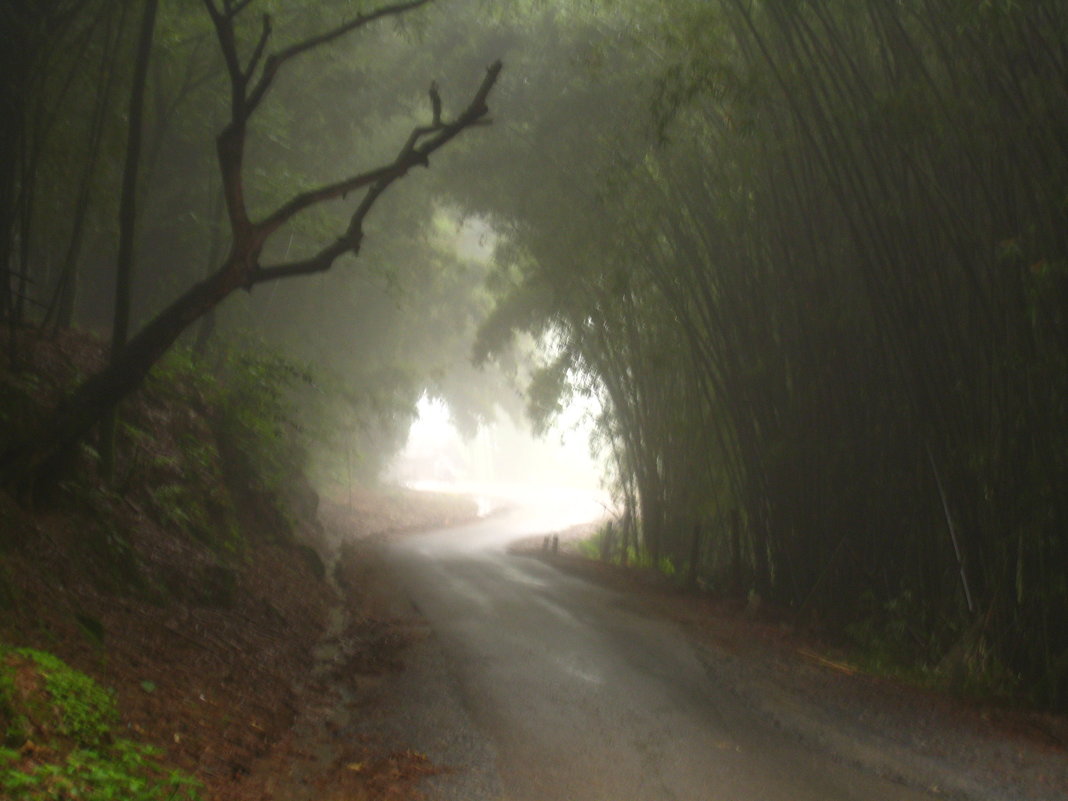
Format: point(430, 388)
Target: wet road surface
point(568, 692)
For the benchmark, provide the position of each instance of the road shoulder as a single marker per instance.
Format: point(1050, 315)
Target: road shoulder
point(956, 747)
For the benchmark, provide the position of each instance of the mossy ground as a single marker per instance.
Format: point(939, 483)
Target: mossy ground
point(60, 740)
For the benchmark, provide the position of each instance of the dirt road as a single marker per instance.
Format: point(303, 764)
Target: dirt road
point(533, 685)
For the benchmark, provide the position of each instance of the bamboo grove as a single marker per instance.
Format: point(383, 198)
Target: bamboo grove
point(811, 256)
point(823, 296)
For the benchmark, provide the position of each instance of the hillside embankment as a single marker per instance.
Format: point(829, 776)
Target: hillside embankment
point(220, 610)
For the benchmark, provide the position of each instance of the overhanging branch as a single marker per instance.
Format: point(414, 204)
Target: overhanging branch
point(276, 60)
point(415, 152)
point(313, 197)
point(233, 9)
point(224, 32)
point(257, 53)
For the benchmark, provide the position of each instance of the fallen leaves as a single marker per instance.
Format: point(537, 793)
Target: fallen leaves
point(812, 656)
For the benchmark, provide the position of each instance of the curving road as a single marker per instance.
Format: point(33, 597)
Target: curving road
point(537, 686)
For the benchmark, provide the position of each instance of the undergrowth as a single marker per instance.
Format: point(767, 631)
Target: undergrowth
point(249, 397)
point(604, 545)
point(58, 740)
point(898, 639)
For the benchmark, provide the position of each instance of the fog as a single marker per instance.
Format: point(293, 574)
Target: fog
point(811, 255)
point(502, 452)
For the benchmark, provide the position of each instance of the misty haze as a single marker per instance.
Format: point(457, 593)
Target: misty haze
point(534, 400)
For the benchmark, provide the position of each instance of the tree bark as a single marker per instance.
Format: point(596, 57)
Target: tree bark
point(695, 556)
point(128, 217)
point(31, 461)
point(66, 293)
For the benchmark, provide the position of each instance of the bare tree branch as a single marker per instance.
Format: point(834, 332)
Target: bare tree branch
point(257, 54)
point(313, 197)
point(435, 102)
point(231, 142)
point(276, 60)
point(412, 154)
point(224, 32)
point(407, 158)
point(233, 9)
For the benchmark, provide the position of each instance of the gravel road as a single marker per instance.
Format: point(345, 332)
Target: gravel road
point(534, 685)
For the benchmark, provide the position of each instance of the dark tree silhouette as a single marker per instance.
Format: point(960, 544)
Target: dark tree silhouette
point(36, 455)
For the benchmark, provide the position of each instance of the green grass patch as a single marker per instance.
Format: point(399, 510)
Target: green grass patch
point(85, 709)
point(124, 771)
point(59, 743)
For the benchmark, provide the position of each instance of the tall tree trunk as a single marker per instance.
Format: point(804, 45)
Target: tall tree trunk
point(128, 217)
point(67, 287)
point(13, 66)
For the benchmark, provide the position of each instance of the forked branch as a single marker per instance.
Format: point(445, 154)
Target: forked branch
point(421, 143)
point(244, 101)
point(275, 61)
point(39, 452)
point(411, 154)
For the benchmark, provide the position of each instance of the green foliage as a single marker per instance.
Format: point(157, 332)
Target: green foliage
point(895, 639)
point(591, 546)
point(548, 392)
point(784, 263)
point(79, 758)
point(885, 637)
point(251, 403)
point(180, 375)
point(188, 490)
point(257, 413)
point(86, 710)
point(124, 771)
point(202, 510)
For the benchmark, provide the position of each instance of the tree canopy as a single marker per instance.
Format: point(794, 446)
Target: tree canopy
point(811, 258)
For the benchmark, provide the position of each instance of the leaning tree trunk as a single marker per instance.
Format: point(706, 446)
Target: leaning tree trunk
point(37, 456)
point(34, 458)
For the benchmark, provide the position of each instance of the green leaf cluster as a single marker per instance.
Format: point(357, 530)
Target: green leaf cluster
point(126, 771)
point(257, 413)
point(73, 753)
point(86, 710)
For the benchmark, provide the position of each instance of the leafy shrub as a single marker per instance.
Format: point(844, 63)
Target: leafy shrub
point(258, 416)
point(86, 710)
point(126, 770)
point(254, 442)
point(78, 758)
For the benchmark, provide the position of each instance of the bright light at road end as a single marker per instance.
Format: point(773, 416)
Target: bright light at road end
point(501, 453)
